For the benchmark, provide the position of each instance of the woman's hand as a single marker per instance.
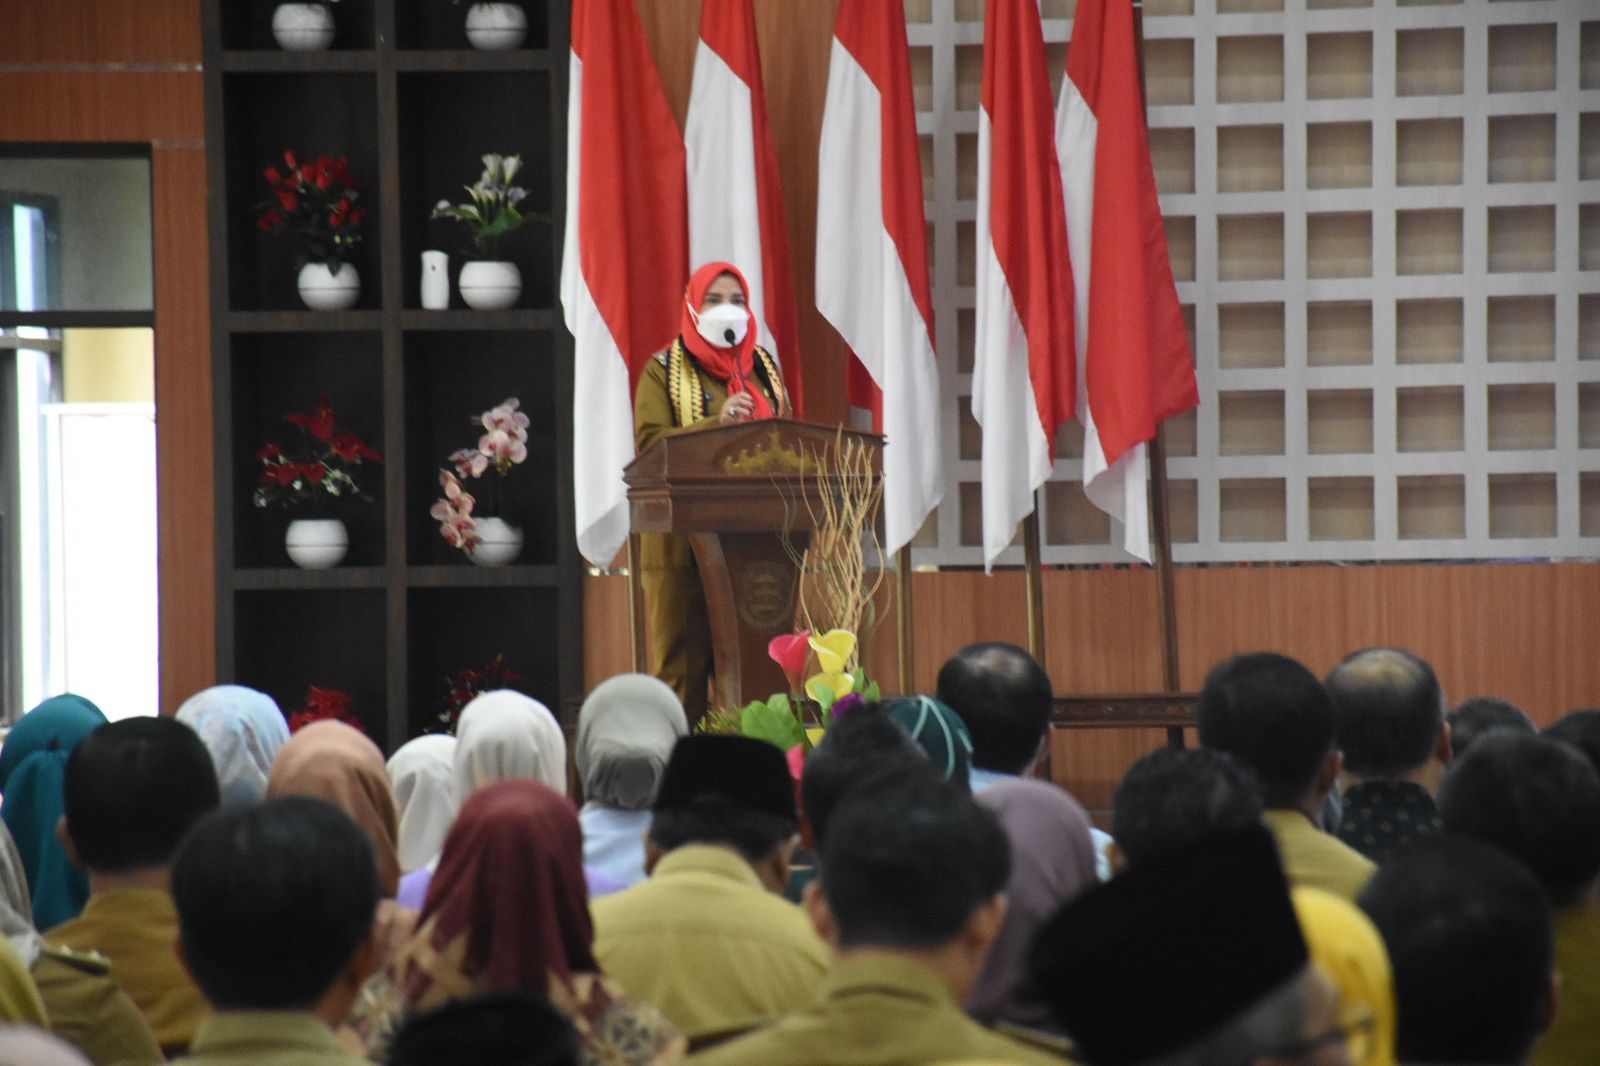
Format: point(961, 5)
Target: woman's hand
point(737, 408)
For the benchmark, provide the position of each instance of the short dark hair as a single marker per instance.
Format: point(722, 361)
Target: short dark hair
point(273, 902)
point(1469, 934)
point(1273, 715)
point(1388, 709)
point(1536, 798)
point(132, 789)
point(512, 1028)
point(856, 746)
point(1581, 729)
point(1004, 696)
point(1475, 717)
point(1176, 798)
point(751, 833)
point(909, 858)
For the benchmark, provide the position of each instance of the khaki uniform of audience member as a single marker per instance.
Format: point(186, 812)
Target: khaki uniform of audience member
point(89, 1011)
point(1317, 859)
point(267, 1038)
point(708, 945)
point(19, 998)
point(1574, 1039)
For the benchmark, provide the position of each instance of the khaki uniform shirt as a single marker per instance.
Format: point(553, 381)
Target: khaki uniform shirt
point(90, 1012)
point(1574, 1039)
point(708, 945)
point(1320, 860)
point(267, 1038)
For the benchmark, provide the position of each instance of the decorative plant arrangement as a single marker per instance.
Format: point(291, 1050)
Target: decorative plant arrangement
point(836, 592)
point(316, 474)
point(468, 685)
point(489, 283)
point(317, 205)
point(487, 538)
point(325, 704)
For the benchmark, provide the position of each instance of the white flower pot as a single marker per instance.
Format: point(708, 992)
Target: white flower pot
point(302, 27)
point(323, 290)
point(502, 542)
point(490, 286)
point(316, 543)
point(492, 27)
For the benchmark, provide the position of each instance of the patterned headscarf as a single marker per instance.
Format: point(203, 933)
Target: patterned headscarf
point(939, 731)
point(626, 731)
point(243, 730)
point(423, 774)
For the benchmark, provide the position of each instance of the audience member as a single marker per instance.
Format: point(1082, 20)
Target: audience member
point(506, 736)
point(1469, 935)
point(25, 1045)
point(1539, 800)
point(1174, 798)
point(19, 997)
point(1272, 714)
point(132, 790)
point(1005, 697)
point(626, 730)
point(494, 1029)
point(1192, 957)
point(422, 774)
point(1388, 721)
point(911, 897)
point(275, 908)
point(243, 730)
point(707, 938)
point(1581, 729)
point(32, 763)
point(939, 732)
point(1052, 860)
point(856, 746)
point(1348, 950)
point(1475, 717)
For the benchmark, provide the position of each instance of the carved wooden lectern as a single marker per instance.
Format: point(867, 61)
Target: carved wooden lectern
point(744, 495)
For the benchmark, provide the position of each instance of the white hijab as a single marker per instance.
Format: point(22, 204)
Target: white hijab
point(243, 730)
point(422, 772)
point(626, 732)
point(506, 736)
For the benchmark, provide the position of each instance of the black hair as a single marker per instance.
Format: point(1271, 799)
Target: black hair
point(1469, 935)
point(499, 1028)
point(132, 789)
point(1005, 698)
point(1581, 729)
point(1273, 715)
point(1176, 798)
point(1536, 798)
point(1388, 709)
point(1475, 717)
point(856, 746)
point(909, 859)
point(273, 902)
point(751, 833)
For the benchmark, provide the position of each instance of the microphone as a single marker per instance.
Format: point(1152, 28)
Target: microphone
point(727, 335)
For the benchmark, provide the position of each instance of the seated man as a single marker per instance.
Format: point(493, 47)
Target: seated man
point(1475, 717)
point(1388, 720)
point(275, 908)
point(495, 1029)
point(131, 790)
point(708, 939)
point(1175, 798)
point(1005, 697)
point(1469, 936)
point(911, 896)
point(1273, 715)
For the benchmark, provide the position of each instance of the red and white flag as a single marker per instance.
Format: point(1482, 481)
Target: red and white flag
point(1024, 368)
point(872, 255)
point(735, 200)
point(625, 258)
point(1134, 364)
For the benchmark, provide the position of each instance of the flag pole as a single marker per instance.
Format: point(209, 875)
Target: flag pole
point(902, 610)
point(1035, 593)
point(635, 604)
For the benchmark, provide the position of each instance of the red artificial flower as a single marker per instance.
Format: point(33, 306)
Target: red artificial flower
point(324, 180)
point(265, 223)
point(290, 161)
point(349, 446)
point(272, 175)
point(269, 451)
point(325, 704)
point(285, 473)
point(288, 199)
point(357, 215)
point(314, 472)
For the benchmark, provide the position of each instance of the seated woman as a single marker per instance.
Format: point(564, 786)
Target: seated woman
point(714, 374)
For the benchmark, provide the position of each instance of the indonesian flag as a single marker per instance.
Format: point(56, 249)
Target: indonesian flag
point(1135, 366)
point(1023, 378)
point(624, 262)
point(872, 256)
point(735, 200)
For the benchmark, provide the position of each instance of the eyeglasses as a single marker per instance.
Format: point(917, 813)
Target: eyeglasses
point(1355, 1032)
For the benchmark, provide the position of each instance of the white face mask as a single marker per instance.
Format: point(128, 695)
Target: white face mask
point(722, 319)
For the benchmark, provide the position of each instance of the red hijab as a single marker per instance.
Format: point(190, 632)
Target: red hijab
point(731, 366)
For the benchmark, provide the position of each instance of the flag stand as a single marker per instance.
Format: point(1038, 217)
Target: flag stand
point(1166, 604)
point(1035, 582)
point(635, 605)
point(902, 616)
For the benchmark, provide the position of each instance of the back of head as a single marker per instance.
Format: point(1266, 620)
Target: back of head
point(273, 902)
point(732, 792)
point(244, 730)
point(1273, 715)
point(507, 736)
point(423, 775)
point(909, 858)
point(1475, 717)
point(856, 746)
point(939, 732)
point(1005, 697)
point(626, 731)
point(1535, 798)
point(1175, 798)
point(500, 1028)
point(132, 790)
point(1387, 711)
point(1581, 729)
point(1470, 940)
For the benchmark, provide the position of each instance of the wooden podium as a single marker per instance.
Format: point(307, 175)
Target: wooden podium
point(744, 495)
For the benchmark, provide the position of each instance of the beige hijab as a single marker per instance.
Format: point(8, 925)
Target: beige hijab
point(333, 762)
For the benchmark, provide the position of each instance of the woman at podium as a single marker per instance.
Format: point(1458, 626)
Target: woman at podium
point(714, 374)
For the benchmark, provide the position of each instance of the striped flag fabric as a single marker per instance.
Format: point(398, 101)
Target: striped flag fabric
point(1135, 367)
point(872, 255)
point(625, 256)
point(736, 209)
point(1024, 363)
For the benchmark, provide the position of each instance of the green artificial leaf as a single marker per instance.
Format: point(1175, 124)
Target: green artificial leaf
point(773, 721)
point(872, 693)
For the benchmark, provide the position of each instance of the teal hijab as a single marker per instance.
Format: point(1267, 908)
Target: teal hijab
point(33, 764)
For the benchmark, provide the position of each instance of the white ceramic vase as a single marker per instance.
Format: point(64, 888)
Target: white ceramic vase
point(302, 27)
point(502, 542)
point(492, 286)
point(494, 27)
point(323, 290)
point(316, 543)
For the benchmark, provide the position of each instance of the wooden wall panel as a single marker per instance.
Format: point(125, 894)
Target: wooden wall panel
point(99, 31)
point(121, 106)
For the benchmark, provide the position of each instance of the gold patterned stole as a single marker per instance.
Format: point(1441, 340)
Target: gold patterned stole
point(688, 397)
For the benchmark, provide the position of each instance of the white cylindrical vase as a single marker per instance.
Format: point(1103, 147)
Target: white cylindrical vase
point(316, 543)
point(492, 286)
point(324, 290)
point(494, 27)
point(435, 281)
point(302, 27)
point(501, 542)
